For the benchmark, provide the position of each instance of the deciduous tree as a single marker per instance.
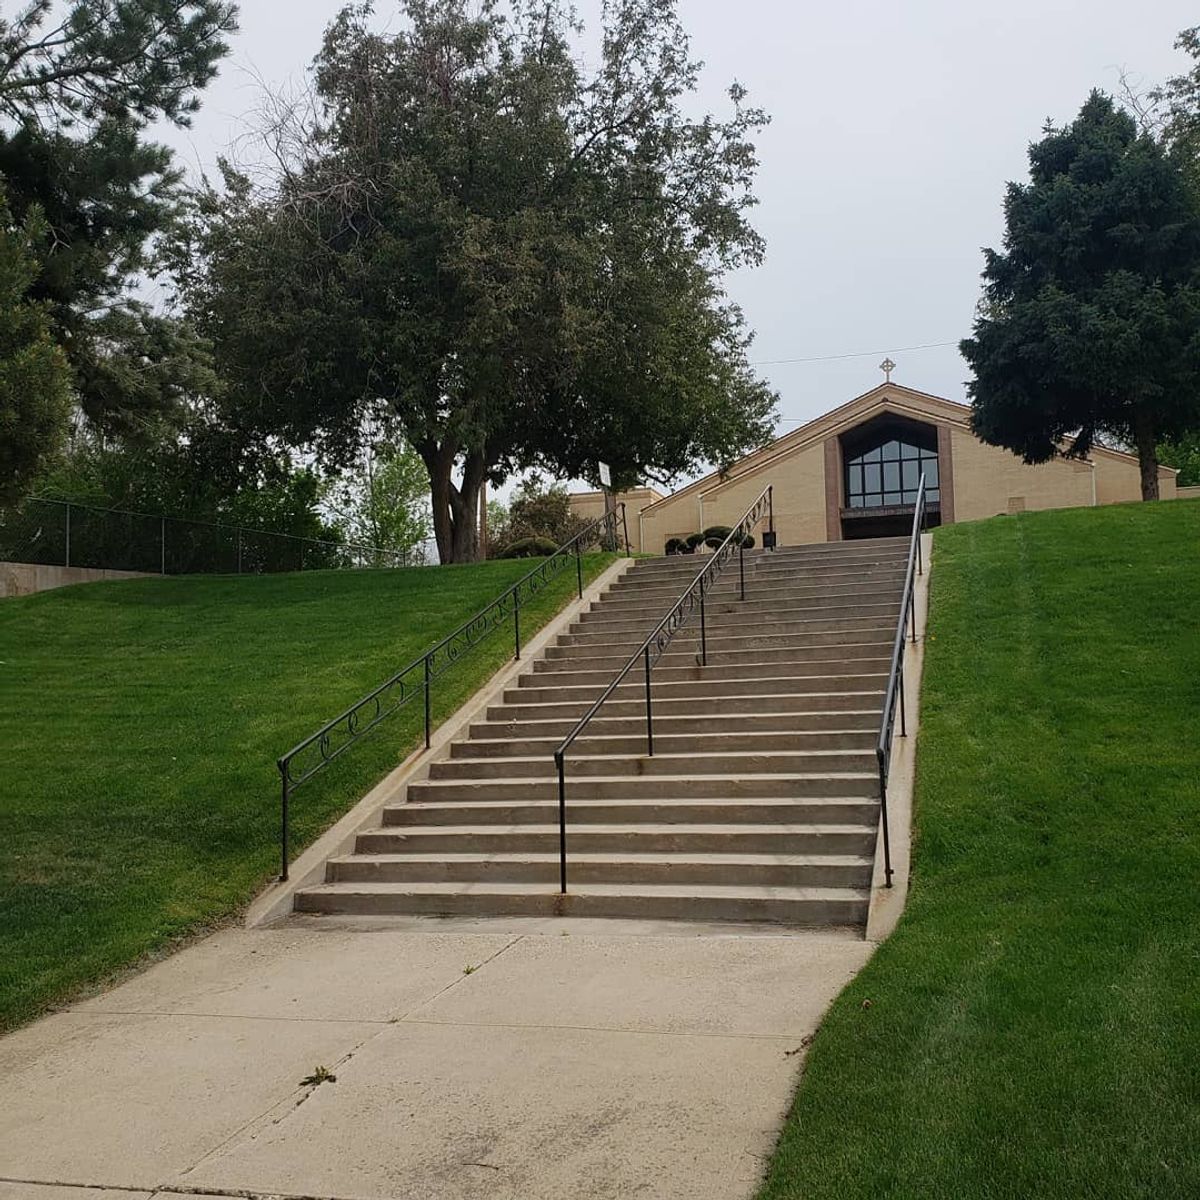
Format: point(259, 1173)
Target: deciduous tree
point(523, 263)
point(384, 500)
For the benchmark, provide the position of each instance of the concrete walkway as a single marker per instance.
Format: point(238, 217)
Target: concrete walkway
point(492, 1059)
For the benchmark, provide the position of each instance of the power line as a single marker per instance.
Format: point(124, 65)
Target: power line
point(775, 362)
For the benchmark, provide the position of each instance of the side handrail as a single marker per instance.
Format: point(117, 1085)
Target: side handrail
point(348, 728)
point(654, 646)
point(893, 696)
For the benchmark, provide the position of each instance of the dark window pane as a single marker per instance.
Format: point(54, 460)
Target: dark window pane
point(855, 478)
point(872, 455)
point(856, 501)
point(912, 475)
point(872, 478)
point(891, 451)
point(891, 476)
point(931, 473)
point(892, 498)
point(933, 495)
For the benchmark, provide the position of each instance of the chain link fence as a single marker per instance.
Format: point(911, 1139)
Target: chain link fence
point(57, 533)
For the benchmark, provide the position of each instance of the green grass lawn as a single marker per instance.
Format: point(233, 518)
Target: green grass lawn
point(1033, 1026)
point(141, 721)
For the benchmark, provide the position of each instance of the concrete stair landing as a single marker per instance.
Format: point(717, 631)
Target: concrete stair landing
point(760, 802)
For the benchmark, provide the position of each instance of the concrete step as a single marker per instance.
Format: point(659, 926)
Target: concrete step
point(650, 787)
point(560, 658)
point(736, 763)
point(746, 618)
point(528, 704)
point(783, 905)
point(785, 724)
point(838, 621)
point(595, 838)
point(728, 585)
point(727, 639)
point(573, 673)
point(716, 690)
point(750, 611)
point(760, 587)
point(597, 743)
point(721, 869)
point(693, 809)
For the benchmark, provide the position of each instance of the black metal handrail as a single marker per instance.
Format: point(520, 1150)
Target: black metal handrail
point(348, 728)
point(893, 696)
point(652, 649)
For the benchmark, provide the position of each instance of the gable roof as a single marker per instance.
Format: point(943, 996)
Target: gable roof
point(885, 397)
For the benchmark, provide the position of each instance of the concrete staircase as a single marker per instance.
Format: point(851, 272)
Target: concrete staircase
point(761, 799)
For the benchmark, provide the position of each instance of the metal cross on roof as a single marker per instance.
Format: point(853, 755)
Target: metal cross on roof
point(887, 367)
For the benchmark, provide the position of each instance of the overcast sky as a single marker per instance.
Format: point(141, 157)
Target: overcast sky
point(894, 129)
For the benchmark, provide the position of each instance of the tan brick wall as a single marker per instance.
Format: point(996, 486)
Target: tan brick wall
point(1188, 493)
point(1120, 479)
point(988, 481)
point(590, 506)
point(799, 502)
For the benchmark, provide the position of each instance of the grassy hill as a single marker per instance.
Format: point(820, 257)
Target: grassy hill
point(141, 721)
point(1032, 1029)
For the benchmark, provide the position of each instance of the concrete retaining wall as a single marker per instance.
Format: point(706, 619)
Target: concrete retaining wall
point(24, 579)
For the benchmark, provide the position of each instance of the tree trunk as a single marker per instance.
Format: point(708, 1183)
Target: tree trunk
point(1147, 449)
point(455, 509)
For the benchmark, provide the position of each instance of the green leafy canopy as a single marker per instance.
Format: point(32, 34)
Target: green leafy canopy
point(521, 261)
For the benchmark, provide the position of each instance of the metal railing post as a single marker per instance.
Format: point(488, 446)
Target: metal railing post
point(883, 820)
point(283, 826)
point(427, 684)
point(68, 552)
point(703, 630)
point(771, 508)
point(900, 685)
point(562, 822)
point(517, 624)
point(578, 571)
point(625, 527)
point(742, 564)
point(649, 707)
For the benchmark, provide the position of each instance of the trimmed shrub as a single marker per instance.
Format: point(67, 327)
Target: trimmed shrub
point(714, 535)
point(675, 545)
point(530, 547)
point(694, 539)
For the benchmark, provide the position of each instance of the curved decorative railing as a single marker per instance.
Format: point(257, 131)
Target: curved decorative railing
point(348, 728)
point(653, 648)
point(893, 697)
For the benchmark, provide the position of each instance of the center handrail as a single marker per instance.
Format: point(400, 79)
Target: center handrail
point(657, 641)
point(362, 716)
point(893, 696)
